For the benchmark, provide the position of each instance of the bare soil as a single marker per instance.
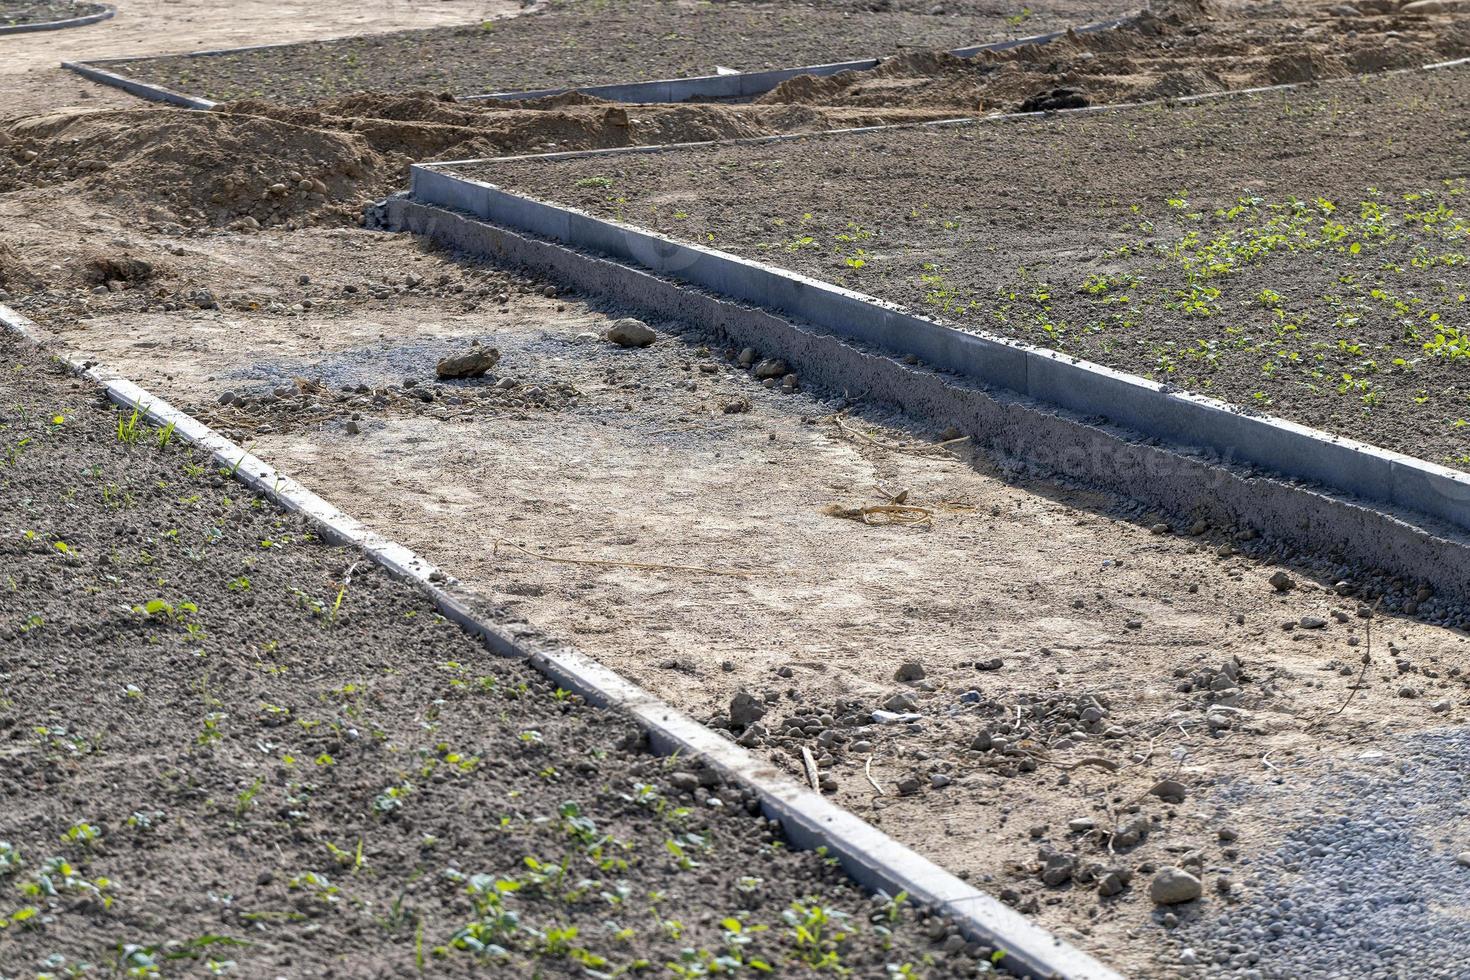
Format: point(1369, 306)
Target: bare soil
point(1297, 253)
point(256, 165)
point(569, 43)
point(1175, 48)
point(33, 80)
point(230, 748)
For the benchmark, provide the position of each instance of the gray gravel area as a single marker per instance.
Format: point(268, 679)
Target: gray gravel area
point(1368, 883)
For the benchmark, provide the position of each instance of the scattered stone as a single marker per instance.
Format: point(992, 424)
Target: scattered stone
point(908, 786)
point(1174, 886)
point(910, 671)
point(901, 702)
point(939, 780)
point(1170, 791)
point(1131, 833)
point(353, 428)
point(1081, 825)
point(1312, 622)
point(473, 363)
point(747, 357)
point(746, 710)
point(1282, 582)
point(1463, 859)
point(1058, 869)
point(630, 332)
point(771, 367)
point(894, 717)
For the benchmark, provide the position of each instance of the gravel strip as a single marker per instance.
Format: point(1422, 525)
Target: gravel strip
point(1372, 882)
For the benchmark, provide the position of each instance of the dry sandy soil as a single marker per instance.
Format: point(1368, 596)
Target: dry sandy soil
point(1054, 623)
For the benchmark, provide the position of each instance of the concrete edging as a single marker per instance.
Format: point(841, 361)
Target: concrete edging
point(1296, 451)
point(106, 12)
point(1011, 426)
point(722, 86)
point(872, 858)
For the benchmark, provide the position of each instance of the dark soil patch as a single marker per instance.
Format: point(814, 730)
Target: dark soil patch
point(1176, 48)
point(589, 42)
point(227, 746)
point(14, 13)
point(1302, 252)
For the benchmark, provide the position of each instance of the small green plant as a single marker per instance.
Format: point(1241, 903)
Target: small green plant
point(128, 429)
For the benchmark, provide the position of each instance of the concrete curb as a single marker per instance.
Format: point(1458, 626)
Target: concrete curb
point(723, 86)
point(1195, 484)
point(873, 859)
point(59, 25)
point(153, 93)
point(1376, 475)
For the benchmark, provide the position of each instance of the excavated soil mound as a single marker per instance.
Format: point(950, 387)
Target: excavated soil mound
point(256, 164)
point(1173, 50)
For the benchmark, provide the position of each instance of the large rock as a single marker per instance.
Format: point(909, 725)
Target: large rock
point(1174, 886)
point(631, 332)
point(746, 710)
point(471, 364)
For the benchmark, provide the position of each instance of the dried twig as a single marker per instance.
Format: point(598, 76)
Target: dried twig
point(642, 566)
point(1362, 674)
point(913, 449)
point(868, 771)
point(810, 762)
point(905, 515)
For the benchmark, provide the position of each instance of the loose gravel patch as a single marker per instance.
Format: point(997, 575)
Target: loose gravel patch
point(574, 43)
point(229, 747)
point(1366, 884)
point(1279, 251)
